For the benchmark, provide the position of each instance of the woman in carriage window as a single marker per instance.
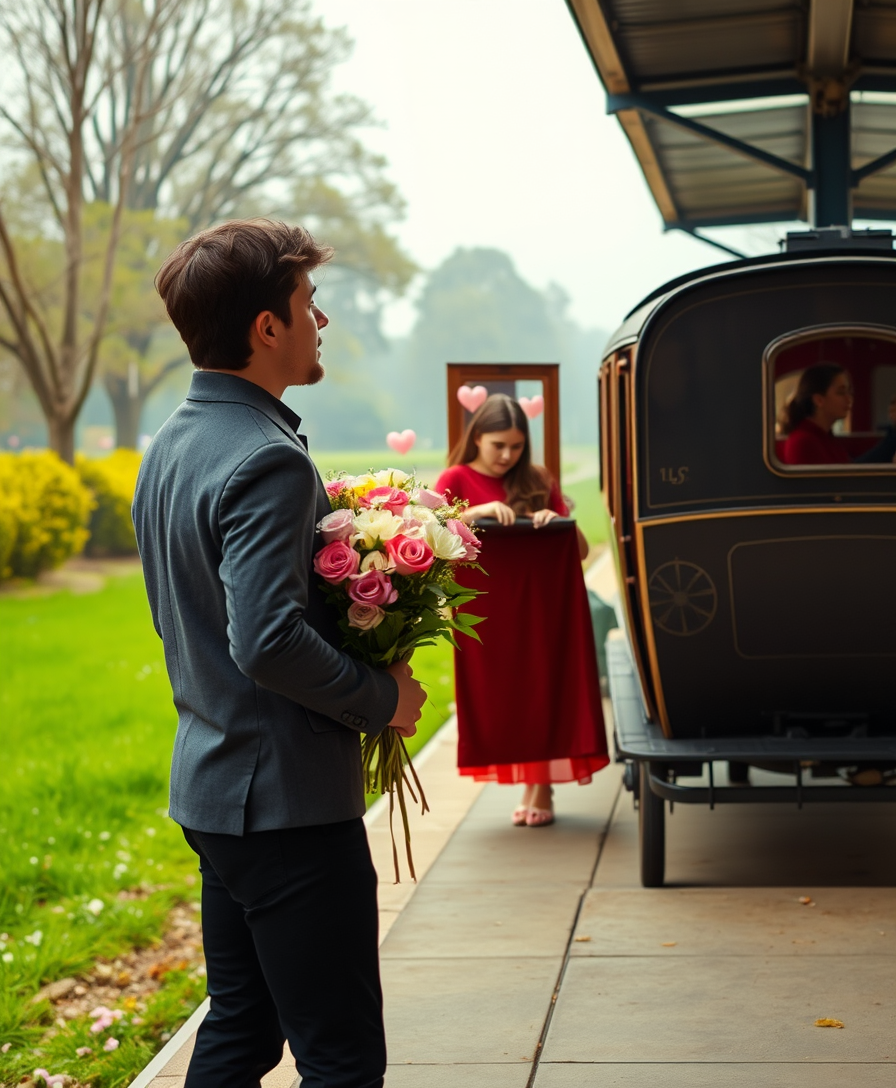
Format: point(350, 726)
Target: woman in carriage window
point(822, 398)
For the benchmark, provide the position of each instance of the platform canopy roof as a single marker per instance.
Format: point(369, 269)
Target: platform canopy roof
point(753, 111)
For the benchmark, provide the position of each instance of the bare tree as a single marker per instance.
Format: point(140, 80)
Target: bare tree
point(195, 110)
point(58, 73)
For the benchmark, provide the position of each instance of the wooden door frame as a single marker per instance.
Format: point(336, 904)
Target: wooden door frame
point(477, 373)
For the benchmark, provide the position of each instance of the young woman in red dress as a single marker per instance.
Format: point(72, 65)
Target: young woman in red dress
point(823, 396)
point(528, 697)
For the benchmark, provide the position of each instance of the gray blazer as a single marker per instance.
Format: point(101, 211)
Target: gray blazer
point(269, 711)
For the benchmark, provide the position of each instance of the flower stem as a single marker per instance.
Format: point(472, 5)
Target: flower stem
point(385, 762)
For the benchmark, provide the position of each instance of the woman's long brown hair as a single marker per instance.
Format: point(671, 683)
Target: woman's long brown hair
point(814, 379)
point(528, 486)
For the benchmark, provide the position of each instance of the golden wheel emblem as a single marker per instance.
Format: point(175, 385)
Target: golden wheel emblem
point(682, 598)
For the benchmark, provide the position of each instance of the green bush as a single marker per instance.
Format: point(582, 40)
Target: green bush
point(51, 508)
point(112, 480)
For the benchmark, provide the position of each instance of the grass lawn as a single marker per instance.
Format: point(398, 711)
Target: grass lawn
point(91, 864)
point(590, 511)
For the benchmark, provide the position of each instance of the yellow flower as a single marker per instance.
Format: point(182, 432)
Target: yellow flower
point(363, 483)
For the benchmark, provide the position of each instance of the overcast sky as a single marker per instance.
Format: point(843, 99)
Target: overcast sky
point(496, 134)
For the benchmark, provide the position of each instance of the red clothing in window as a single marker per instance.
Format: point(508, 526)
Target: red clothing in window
point(528, 697)
point(809, 444)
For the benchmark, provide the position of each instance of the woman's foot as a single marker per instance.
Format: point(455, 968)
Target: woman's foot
point(541, 807)
point(520, 815)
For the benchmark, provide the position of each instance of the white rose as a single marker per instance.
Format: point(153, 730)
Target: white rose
point(444, 543)
point(374, 525)
point(419, 513)
point(391, 477)
point(374, 561)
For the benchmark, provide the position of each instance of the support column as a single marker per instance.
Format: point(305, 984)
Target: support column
point(831, 196)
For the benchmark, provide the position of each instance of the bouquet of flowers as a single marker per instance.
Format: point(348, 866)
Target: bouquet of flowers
point(391, 551)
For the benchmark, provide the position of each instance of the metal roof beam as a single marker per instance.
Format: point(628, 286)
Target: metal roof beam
point(736, 219)
point(589, 17)
point(830, 29)
point(633, 125)
point(618, 102)
point(880, 163)
point(689, 92)
point(722, 24)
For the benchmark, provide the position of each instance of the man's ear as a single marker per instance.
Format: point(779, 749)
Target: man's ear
point(265, 329)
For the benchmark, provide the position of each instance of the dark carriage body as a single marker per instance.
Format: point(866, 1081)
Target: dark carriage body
point(759, 598)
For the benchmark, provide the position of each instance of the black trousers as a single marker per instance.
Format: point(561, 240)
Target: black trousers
point(289, 921)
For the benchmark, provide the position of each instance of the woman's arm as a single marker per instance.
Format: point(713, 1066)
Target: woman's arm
point(542, 517)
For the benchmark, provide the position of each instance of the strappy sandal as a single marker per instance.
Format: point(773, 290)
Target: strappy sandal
point(520, 816)
point(540, 817)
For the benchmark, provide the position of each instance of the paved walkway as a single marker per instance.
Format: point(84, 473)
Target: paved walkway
point(532, 958)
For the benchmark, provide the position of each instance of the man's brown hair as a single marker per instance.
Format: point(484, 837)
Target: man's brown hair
point(216, 283)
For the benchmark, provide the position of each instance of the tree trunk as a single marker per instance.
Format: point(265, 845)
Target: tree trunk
point(127, 407)
point(62, 436)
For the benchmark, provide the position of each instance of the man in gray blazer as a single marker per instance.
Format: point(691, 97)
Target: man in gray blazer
point(266, 773)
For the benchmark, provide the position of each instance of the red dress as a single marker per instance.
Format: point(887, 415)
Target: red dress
point(528, 697)
point(809, 444)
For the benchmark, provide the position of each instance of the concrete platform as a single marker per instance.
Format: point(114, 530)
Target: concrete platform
point(533, 958)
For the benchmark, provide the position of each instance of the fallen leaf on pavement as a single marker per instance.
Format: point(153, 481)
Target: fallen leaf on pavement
point(828, 1022)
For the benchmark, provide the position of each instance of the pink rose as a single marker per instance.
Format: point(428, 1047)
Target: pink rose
point(432, 499)
point(392, 499)
point(467, 536)
point(336, 526)
point(364, 616)
point(374, 587)
point(337, 561)
point(334, 487)
point(409, 555)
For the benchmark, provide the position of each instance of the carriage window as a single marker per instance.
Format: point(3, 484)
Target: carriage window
point(831, 400)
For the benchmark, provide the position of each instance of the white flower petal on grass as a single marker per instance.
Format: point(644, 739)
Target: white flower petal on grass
point(8, 957)
point(95, 906)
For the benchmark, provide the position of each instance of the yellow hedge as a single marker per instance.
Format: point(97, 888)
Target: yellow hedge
point(50, 506)
point(112, 481)
point(10, 505)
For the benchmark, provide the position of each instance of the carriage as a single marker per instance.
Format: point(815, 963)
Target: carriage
point(758, 598)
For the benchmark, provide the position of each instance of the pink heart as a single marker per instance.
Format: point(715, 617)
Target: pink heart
point(401, 443)
point(533, 407)
point(472, 398)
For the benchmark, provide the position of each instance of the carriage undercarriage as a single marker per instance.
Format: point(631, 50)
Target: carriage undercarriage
point(808, 749)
